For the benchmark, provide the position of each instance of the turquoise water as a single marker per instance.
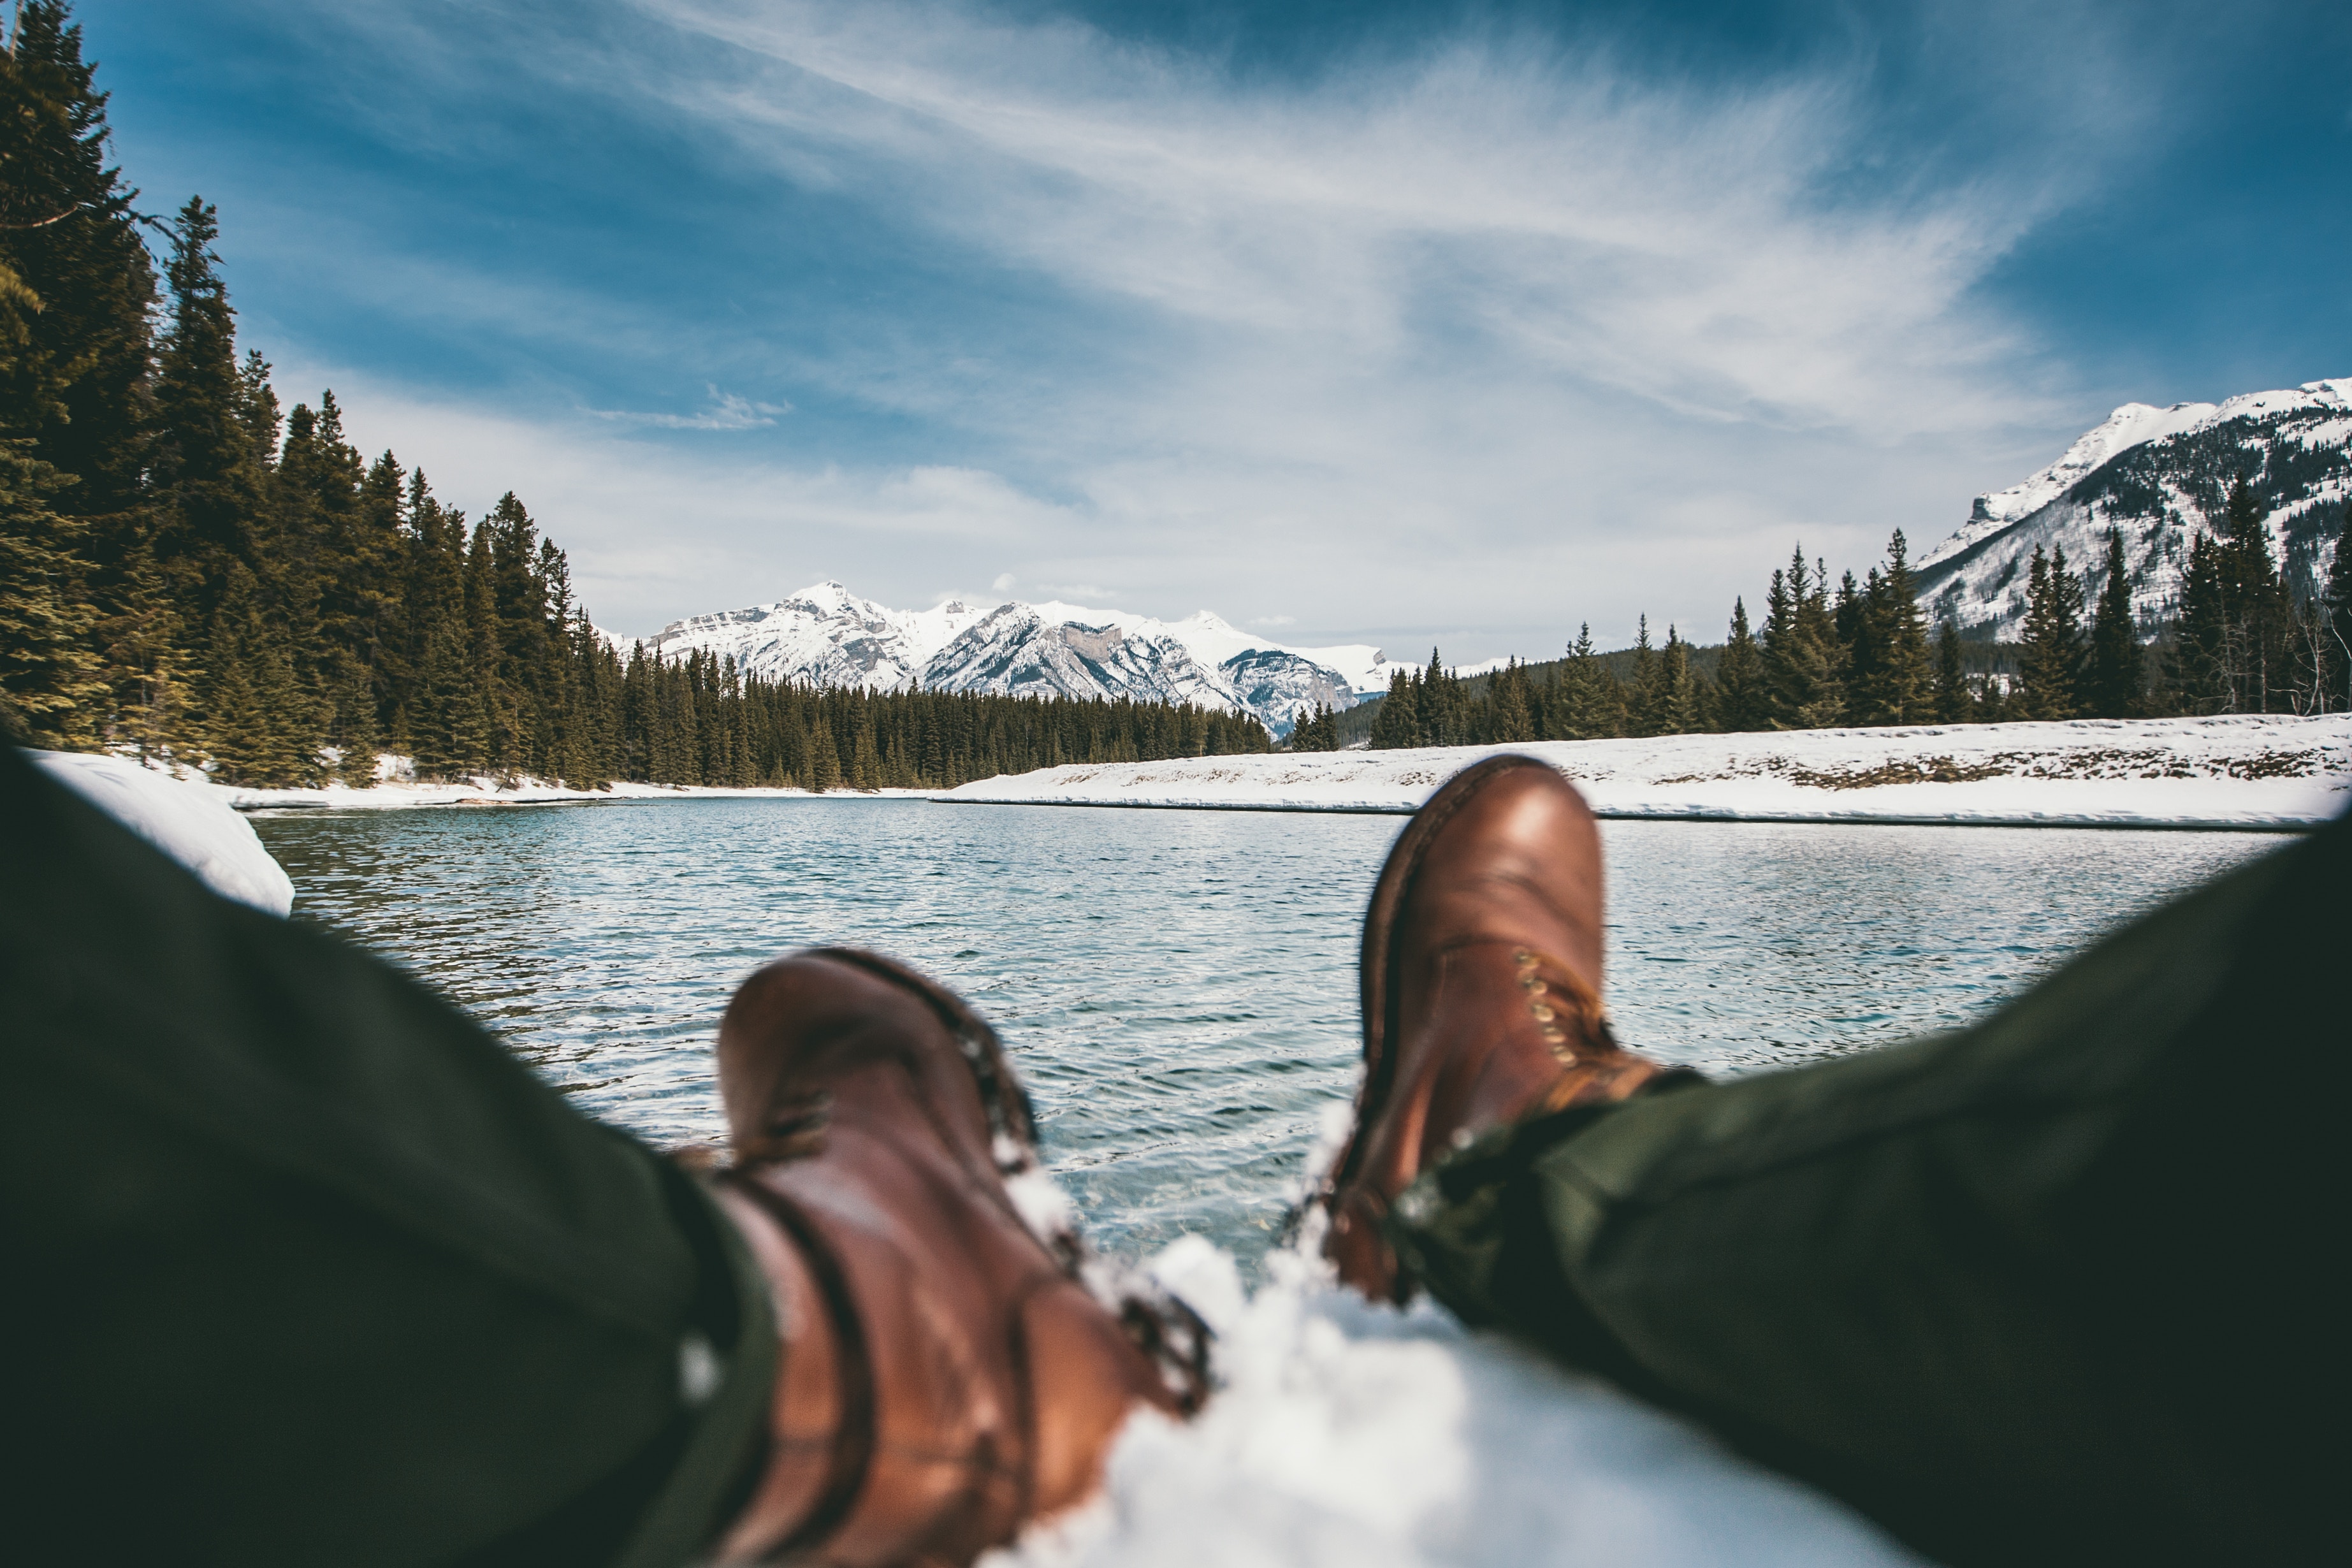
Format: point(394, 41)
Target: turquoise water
point(1177, 988)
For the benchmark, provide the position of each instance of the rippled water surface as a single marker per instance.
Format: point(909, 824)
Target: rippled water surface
point(1178, 988)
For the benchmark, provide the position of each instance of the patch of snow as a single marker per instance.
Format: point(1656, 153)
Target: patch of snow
point(1343, 1433)
point(402, 792)
point(2242, 771)
point(189, 822)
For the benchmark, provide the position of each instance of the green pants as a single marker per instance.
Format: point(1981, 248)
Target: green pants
point(2052, 1289)
point(303, 1267)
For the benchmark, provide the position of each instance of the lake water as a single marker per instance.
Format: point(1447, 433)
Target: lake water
point(1177, 988)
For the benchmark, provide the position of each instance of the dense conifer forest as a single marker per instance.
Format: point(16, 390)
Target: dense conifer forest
point(191, 570)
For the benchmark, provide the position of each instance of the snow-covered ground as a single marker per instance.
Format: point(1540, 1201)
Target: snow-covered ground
point(522, 792)
point(1359, 1436)
point(190, 822)
point(2235, 772)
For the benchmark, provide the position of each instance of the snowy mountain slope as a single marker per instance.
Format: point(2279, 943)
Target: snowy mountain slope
point(823, 635)
point(826, 636)
point(1029, 650)
point(2160, 477)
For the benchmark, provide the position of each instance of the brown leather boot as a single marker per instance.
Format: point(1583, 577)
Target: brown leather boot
point(945, 1377)
point(1480, 983)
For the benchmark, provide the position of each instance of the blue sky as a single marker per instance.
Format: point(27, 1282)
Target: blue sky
point(1406, 324)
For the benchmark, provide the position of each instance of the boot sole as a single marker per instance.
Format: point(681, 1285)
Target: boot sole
point(1376, 988)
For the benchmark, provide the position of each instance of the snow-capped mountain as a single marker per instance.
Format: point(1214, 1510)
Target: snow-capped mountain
point(829, 637)
point(824, 636)
point(2160, 477)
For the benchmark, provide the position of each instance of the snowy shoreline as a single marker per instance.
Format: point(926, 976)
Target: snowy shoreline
point(2240, 773)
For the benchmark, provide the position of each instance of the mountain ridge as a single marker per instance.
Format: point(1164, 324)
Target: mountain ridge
point(826, 636)
point(2160, 478)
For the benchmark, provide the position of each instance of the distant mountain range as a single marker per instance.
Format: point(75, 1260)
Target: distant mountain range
point(827, 635)
point(2160, 477)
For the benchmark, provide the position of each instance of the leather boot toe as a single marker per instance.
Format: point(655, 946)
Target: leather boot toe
point(1481, 985)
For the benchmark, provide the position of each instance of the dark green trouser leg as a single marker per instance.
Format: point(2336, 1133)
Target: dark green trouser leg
point(302, 1267)
point(2060, 1288)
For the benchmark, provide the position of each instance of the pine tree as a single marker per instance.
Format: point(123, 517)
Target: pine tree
point(68, 232)
point(1592, 707)
point(865, 765)
point(2112, 682)
point(77, 288)
point(825, 770)
point(1437, 723)
point(1513, 718)
point(1738, 676)
point(1682, 699)
point(1645, 706)
point(50, 686)
point(1804, 662)
point(1892, 681)
point(2337, 599)
point(259, 723)
point(2203, 666)
point(1953, 702)
point(210, 478)
point(1393, 726)
point(2238, 643)
point(2051, 661)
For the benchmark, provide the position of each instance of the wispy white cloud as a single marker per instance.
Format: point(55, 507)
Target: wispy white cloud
point(1509, 335)
point(726, 412)
point(1674, 244)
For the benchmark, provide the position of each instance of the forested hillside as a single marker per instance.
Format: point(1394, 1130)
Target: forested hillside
point(188, 570)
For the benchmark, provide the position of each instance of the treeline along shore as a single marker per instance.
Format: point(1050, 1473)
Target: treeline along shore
point(1861, 655)
point(191, 571)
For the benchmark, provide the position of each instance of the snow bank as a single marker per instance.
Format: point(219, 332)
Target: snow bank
point(397, 791)
point(189, 822)
point(2240, 771)
point(1347, 1434)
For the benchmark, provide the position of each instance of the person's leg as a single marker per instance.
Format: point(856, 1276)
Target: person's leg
point(304, 1268)
point(2051, 1289)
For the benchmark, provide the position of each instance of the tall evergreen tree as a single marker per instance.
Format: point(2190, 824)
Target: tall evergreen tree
point(1592, 706)
point(1739, 677)
point(2111, 687)
point(1892, 680)
point(1683, 701)
point(1953, 702)
point(2237, 644)
point(77, 380)
point(49, 685)
point(2337, 601)
point(1644, 696)
point(1395, 726)
point(2050, 664)
point(1804, 673)
point(210, 474)
point(1513, 715)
